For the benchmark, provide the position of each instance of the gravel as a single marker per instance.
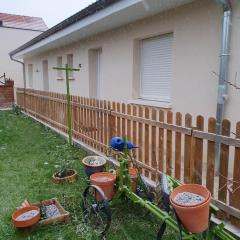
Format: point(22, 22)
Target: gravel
point(27, 215)
point(51, 211)
point(188, 198)
point(102, 179)
point(94, 162)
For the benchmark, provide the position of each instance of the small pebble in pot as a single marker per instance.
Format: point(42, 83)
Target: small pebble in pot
point(94, 162)
point(188, 198)
point(27, 215)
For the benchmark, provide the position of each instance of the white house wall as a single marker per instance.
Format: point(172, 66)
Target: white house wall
point(10, 39)
point(196, 48)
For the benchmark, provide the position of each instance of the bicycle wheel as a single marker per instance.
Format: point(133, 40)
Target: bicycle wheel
point(96, 213)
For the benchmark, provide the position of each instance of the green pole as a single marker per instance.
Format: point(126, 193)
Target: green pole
point(69, 115)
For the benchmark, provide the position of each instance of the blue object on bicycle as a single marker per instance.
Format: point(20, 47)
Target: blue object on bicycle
point(117, 143)
point(130, 145)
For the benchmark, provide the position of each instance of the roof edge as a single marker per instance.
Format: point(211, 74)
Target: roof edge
point(88, 11)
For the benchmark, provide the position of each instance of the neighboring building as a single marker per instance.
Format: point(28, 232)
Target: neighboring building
point(16, 30)
point(155, 52)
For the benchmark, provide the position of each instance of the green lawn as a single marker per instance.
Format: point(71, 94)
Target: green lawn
point(28, 155)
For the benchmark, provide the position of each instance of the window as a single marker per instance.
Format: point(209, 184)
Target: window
point(45, 75)
point(95, 73)
point(30, 75)
point(59, 64)
point(70, 64)
point(156, 68)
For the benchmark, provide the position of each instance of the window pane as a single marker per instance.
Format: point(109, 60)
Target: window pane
point(30, 75)
point(59, 64)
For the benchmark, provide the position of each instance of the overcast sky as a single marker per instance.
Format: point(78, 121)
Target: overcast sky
point(52, 11)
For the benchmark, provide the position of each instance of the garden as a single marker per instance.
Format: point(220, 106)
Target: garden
point(29, 155)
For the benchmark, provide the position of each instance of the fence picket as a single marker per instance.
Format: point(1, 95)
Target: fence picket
point(211, 157)
point(134, 131)
point(198, 153)
point(223, 169)
point(129, 126)
point(178, 142)
point(146, 141)
point(235, 196)
point(123, 133)
point(187, 150)
point(161, 142)
point(153, 145)
point(140, 138)
point(169, 145)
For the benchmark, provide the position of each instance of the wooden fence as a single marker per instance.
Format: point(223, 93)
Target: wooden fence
point(168, 142)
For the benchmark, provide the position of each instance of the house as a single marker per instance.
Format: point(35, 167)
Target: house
point(170, 54)
point(16, 30)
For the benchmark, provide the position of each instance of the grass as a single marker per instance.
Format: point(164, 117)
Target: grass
point(28, 155)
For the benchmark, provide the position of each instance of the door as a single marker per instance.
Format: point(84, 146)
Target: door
point(99, 72)
point(95, 73)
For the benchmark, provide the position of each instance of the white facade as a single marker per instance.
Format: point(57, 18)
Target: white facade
point(193, 56)
point(11, 38)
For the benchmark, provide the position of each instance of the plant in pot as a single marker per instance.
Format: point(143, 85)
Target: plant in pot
point(65, 157)
point(65, 172)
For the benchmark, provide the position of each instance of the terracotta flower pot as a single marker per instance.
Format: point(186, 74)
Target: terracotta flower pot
point(28, 222)
point(71, 178)
point(193, 217)
point(94, 167)
point(105, 181)
point(134, 177)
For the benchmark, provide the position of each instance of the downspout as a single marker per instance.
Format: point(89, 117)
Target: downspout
point(223, 72)
point(24, 77)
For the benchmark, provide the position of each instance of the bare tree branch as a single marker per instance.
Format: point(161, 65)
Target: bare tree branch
point(228, 82)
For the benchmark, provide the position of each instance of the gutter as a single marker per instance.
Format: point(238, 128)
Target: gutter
point(223, 72)
point(24, 75)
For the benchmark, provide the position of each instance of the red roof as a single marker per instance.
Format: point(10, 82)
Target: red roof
point(22, 22)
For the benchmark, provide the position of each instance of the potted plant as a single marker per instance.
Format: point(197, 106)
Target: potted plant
point(65, 172)
point(191, 203)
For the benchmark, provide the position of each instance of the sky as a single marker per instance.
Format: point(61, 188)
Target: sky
point(52, 11)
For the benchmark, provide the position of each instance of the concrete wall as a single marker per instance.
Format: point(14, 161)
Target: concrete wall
point(196, 48)
point(11, 39)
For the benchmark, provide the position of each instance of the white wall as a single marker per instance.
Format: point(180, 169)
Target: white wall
point(11, 39)
point(197, 32)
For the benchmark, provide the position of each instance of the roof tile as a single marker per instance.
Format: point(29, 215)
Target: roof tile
point(22, 22)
